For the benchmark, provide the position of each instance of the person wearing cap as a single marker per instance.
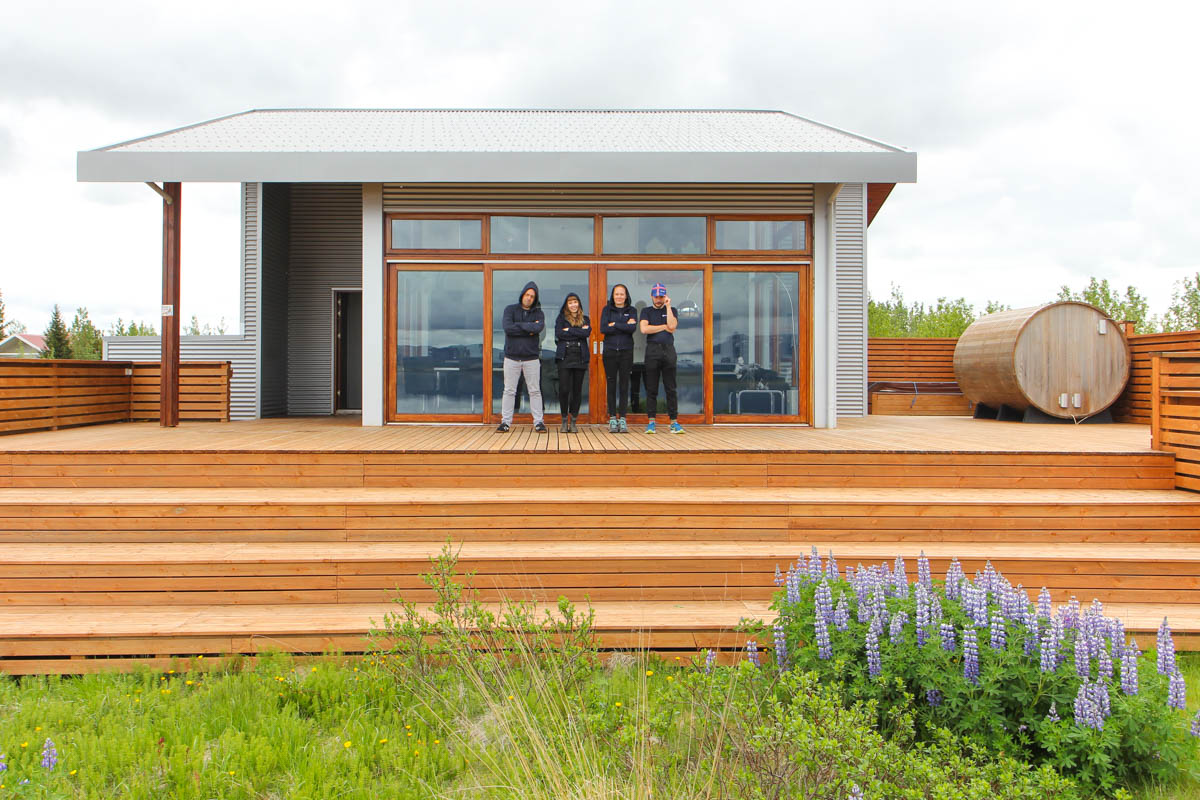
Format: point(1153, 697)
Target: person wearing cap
point(523, 324)
point(658, 322)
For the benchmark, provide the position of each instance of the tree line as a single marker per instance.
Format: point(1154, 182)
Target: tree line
point(896, 317)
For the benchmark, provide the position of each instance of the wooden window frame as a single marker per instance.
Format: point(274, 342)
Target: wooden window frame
point(595, 218)
point(654, 256)
point(713, 219)
point(429, 251)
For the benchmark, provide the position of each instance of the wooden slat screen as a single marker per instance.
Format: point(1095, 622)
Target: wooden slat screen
point(910, 359)
point(53, 393)
point(1134, 403)
point(1175, 413)
point(796, 198)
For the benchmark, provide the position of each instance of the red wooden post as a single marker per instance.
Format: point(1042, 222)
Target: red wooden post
point(168, 407)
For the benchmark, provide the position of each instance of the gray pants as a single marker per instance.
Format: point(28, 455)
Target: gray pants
point(513, 370)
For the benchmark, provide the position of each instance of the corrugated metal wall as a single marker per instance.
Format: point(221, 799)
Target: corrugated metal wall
point(238, 350)
point(325, 252)
point(273, 339)
point(850, 233)
point(796, 198)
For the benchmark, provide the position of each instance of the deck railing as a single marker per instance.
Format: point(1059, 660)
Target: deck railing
point(1175, 413)
point(40, 393)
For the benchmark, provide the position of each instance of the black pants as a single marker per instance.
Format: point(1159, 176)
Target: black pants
point(617, 366)
point(660, 361)
point(570, 388)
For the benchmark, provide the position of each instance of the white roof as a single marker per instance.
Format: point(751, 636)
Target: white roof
point(502, 145)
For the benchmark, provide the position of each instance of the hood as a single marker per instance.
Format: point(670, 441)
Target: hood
point(536, 295)
point(613, 303)
point(563, 308)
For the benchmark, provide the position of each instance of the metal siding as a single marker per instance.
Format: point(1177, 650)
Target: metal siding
point(238, 350)
point(273, 335)
point(795, 198)
point(325, 223)
point(251, 276)
point(850, 233)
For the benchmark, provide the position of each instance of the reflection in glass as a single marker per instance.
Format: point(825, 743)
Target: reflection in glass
point(553, 286)
point(439, 342)
point(755, 329)
point(739, 234)
point(686, 289)
point(655, 235)
point(542, 235)
point(437, 234)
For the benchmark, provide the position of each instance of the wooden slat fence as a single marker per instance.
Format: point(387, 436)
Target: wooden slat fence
point(1134, 403)
point(1175, 413)
point(56, 393)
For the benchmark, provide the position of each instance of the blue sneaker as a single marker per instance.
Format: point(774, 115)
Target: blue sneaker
point(650, 427)
point(677, 428)
point(622, 426)
point(612, 424)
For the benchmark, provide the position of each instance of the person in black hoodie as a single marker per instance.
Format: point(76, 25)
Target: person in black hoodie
point(618, 321)
point(572, 329)
point(523, 325)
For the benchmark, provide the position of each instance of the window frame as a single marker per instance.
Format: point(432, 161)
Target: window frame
point(484, 242)
point(713, 219)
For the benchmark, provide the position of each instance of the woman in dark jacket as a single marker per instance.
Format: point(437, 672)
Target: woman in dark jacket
point(571, 332)
point(618, 321)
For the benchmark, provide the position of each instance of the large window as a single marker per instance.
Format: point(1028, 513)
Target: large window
point(437, 234)
point(655, 235)
point(567, 235)
point(755, 329)
point(759, 235)
point(439, 342)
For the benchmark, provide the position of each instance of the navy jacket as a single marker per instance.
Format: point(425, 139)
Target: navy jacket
point(618, 336)
point(567, 336)
point(523, 328)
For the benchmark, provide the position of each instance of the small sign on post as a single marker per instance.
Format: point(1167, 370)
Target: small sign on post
point(168, 311)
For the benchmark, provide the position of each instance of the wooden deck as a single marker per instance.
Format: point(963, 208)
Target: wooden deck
point(132, 542)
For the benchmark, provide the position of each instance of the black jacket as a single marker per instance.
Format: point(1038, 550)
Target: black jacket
point(619, 335)
point(523, 328)
point(572, 341)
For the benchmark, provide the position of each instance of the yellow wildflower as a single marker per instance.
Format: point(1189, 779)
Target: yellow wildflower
point(345, 744)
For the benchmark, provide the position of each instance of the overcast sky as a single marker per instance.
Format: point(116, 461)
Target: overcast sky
point(1056, 140)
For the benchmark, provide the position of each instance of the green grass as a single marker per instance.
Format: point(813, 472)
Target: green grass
point(1188, 786)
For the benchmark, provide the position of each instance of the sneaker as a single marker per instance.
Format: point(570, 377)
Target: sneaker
point(650, 427)
point(540, 427)
point(503, 428)
point(622, 427)
point(612, 425)
point(677, 428)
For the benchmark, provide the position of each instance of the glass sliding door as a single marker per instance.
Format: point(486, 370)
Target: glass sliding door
point(756, 369)
point(553, 286)
point(686, 290)
point(439, 342)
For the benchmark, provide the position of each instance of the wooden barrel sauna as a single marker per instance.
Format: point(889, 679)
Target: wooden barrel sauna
point(1067, 359)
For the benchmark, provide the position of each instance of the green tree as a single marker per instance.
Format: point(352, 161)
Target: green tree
point(1184, 312)
point(4, 323)
point(1131, 306)
point(896, 318)
point(85, 337)
point(58, 341)
point(119, 328)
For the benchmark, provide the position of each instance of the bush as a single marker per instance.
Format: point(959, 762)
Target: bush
point(980, 660)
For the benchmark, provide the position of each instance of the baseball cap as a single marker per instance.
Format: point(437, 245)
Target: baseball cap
point(658, 290)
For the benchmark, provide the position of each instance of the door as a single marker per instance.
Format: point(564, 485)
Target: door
point(347, 351)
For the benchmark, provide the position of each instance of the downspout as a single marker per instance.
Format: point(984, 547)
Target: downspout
point(831, 308)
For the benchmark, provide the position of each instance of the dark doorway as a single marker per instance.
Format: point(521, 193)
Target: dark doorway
point(347, 351)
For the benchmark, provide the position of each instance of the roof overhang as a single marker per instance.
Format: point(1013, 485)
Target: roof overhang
point(488, 167)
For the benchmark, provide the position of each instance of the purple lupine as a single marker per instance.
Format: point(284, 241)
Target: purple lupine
point(850, 575)
point(781, 653)
point(1087, 714)
point(1101, 699)
point(49, 755)
point(1031, 632)
point(989, 580)
point(752, 652)
point(970, 656)
point(3, 763)
point(824, 648)
point(1043, 604)
point(1104, 664)
point(935, 609)
point(954, 578)
point(1022, 598)
point(815, 571)
point(831, 567)
point(778, 576)
point(874, 660)
point(924, 576)
point(1070, 613)
point(999, 633)
point(922, 613)
point(841, 614)
point(896, 628)
point(1166, 649)
point(710, 660)
point(1050, 641)
point(823, 602)
point(934, 697)
point(866, 608)
point(1083, 661)
point(975, 604)
point(900, 578)
point(947, 635)
point(1196, 724)
point(1176, 691)
point(1053, 714)
point(1129, 668)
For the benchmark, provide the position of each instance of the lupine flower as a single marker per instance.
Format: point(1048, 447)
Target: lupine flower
point(856, 793)
point(896, 629)
point(752, 652)
point(1053, 715)
point(989, 580)
point(710, 659)
point(1129, 668)
point(815, 570)
point(850, 574)
point(1196, 724)
point(49, 755)
point(841, 614)
point(934, 697)
point(1101, 699)
point(823, 600)
point(778, 576)
point(3, 764)
point(1166, 649)
point(781, 653)
point(1031, 633)
point(935, 609)
point(831, 567)
point(924, 576)
point(947, 634)
point(954, 578)
point(1104, 664)
point(975, 604)
point(1070, 613)
point(1176, 691)
point(1043, 604)
point(793, 586)
point(970, 656)
point(1050, 642)
point(1083, 661)
point(999, 633)
point(824, 648)
point(874, 661)
point(900, 578)
point(1087, 714)
point(922, 613)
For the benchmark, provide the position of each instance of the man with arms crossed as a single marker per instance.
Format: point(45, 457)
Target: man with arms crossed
point(658, 323)
point(523, 325)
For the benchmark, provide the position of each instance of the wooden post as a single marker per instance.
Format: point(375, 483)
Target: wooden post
point(168, 409)
point(1127, 327)
point(1156, 363)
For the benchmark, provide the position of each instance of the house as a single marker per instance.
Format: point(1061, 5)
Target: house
point(23, 345)
point(380, 247)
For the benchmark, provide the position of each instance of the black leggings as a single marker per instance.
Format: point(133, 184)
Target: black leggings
point(617, 365)
point(660, 361)
point(570, 389)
